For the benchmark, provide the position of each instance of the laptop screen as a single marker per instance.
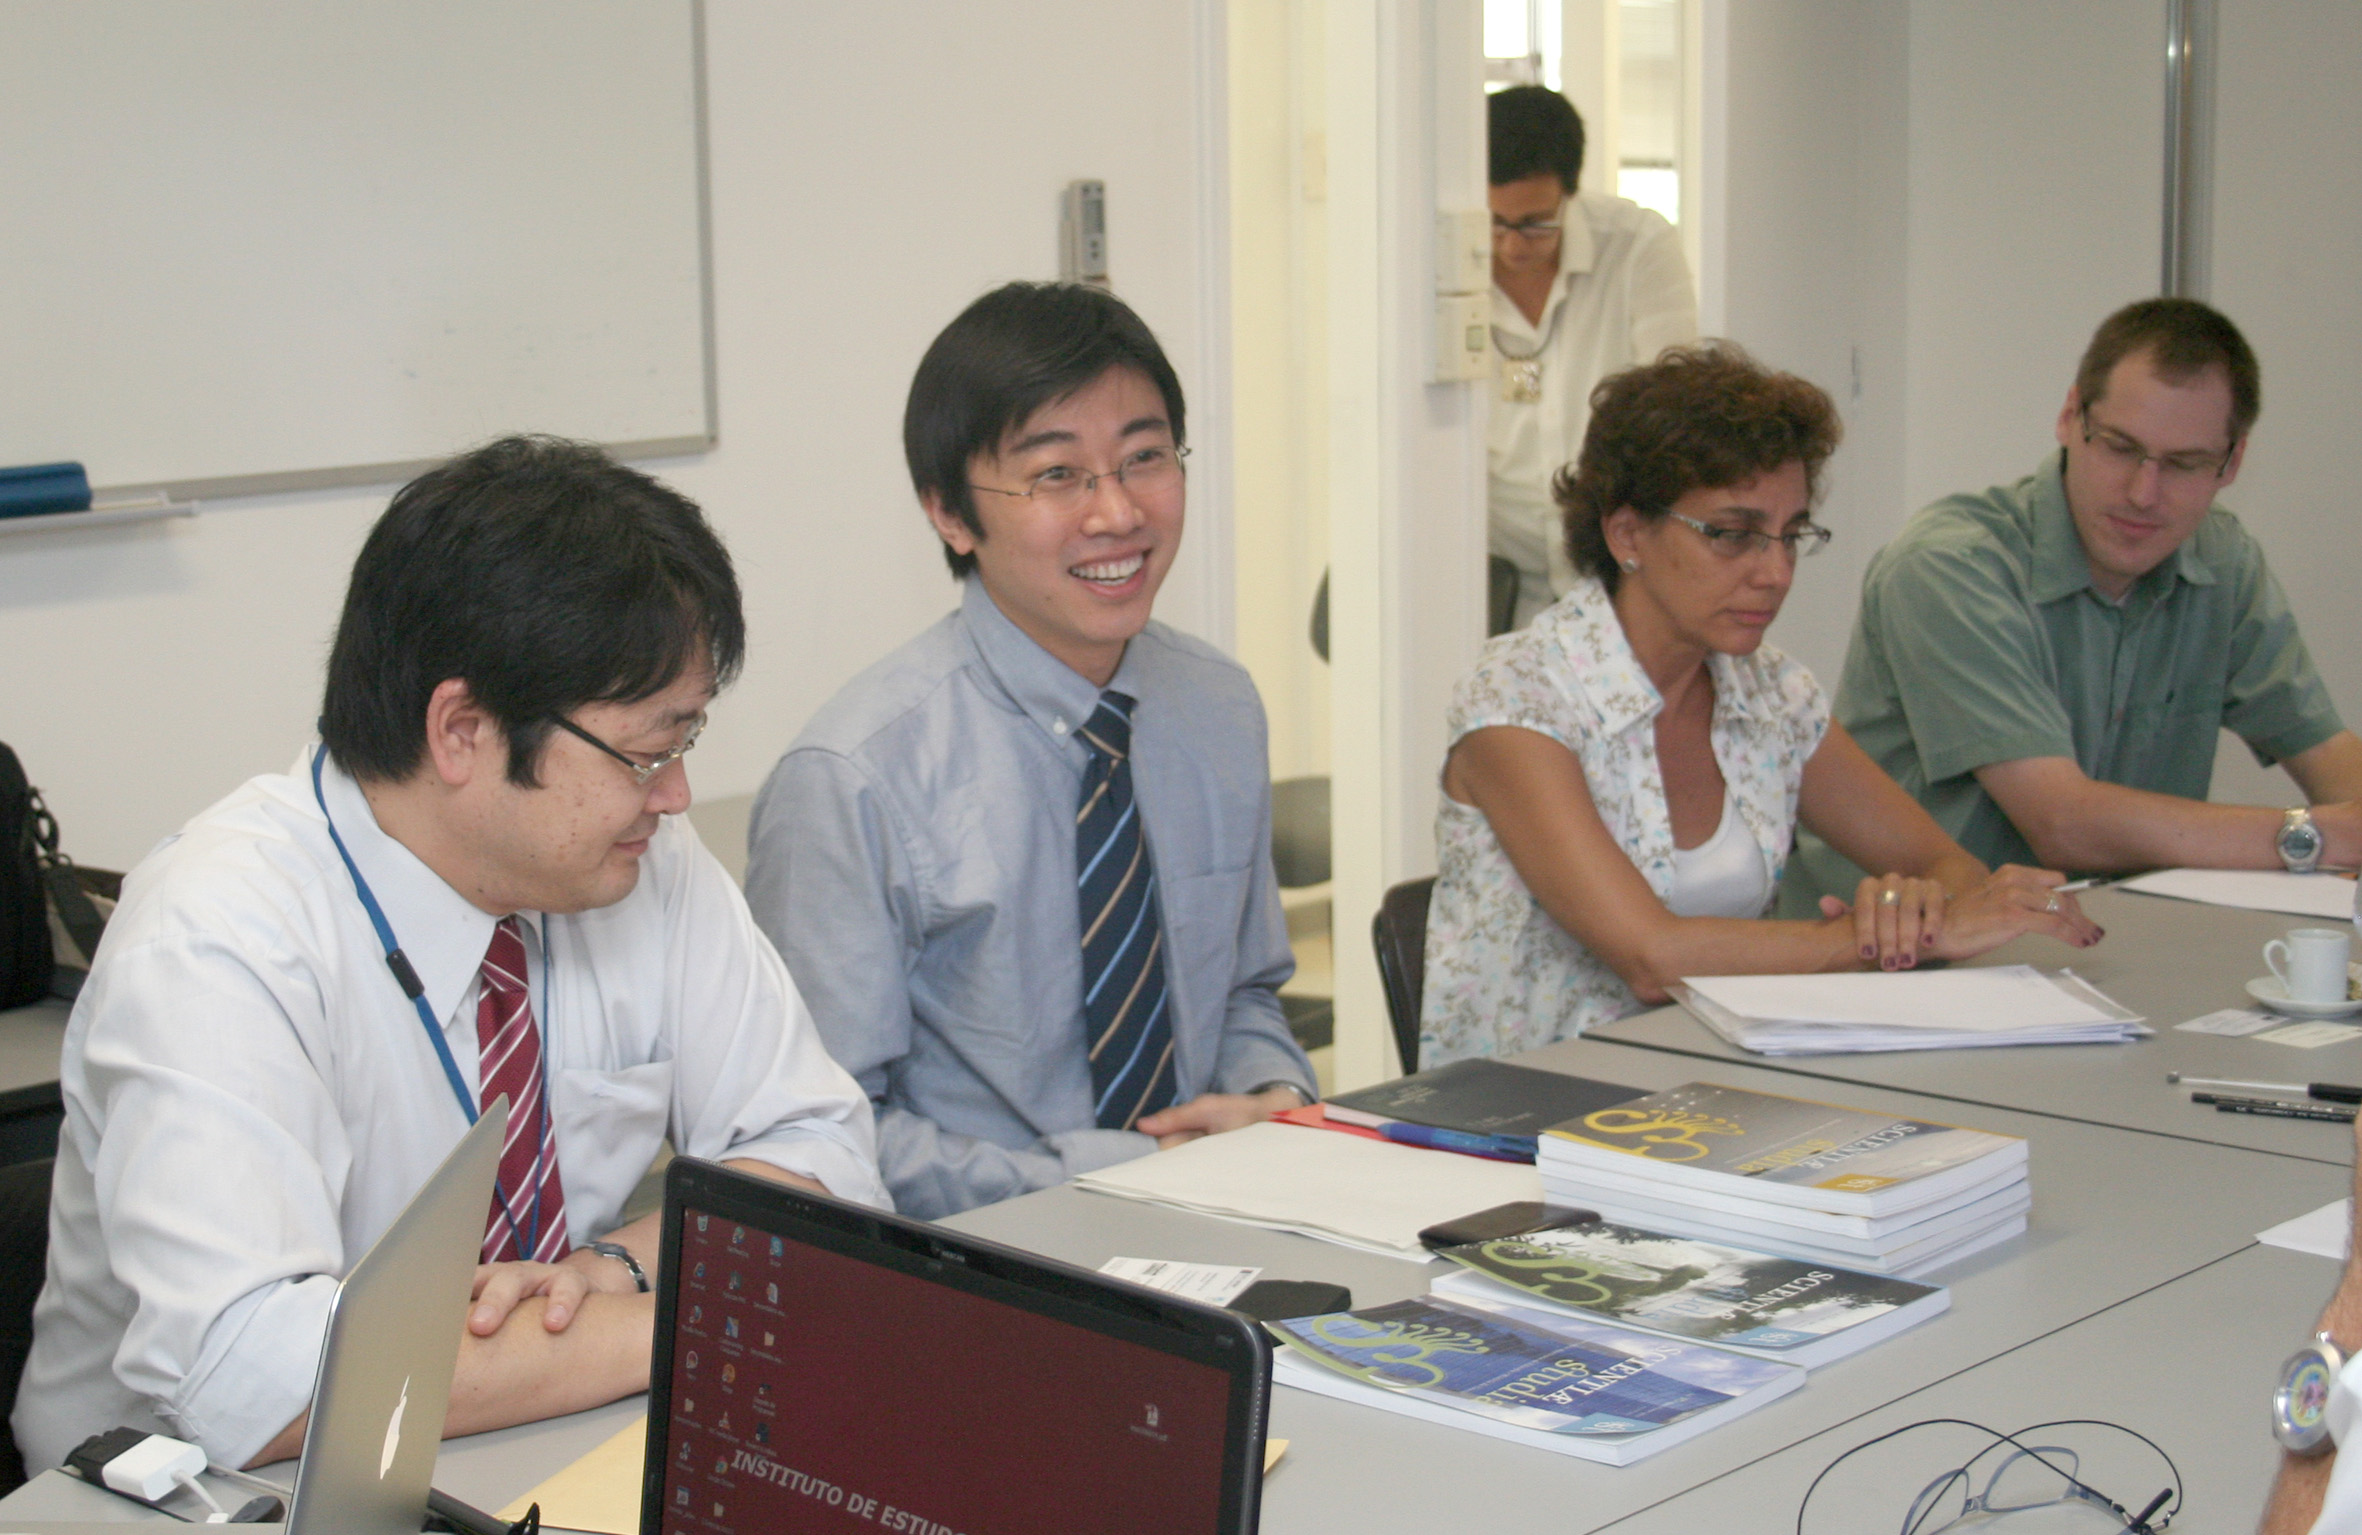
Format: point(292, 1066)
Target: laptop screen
point(821, 1379)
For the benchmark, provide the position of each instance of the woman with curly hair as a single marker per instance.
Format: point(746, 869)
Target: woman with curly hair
point(1626, 774)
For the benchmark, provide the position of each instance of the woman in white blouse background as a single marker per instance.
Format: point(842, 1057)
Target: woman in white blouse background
point(1626, 773)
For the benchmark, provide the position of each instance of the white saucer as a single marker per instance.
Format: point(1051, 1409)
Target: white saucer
point(2268, 990)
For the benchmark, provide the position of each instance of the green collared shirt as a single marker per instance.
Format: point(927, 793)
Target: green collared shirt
point(1980, 639)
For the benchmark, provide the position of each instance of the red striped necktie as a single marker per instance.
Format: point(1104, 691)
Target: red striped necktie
point(528, 1217)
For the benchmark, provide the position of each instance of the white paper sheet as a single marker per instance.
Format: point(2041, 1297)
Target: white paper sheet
point(2233, 1021)
point(1349, 1189)
point(2328, 896)
point(1215, 1284)
point(2323, 1232)
point(2311, 1036)
point(1978, 1000)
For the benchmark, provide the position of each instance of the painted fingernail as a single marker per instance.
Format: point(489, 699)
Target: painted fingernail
point(1868, 952)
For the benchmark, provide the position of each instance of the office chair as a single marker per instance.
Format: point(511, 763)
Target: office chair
point(1400, 933)
point(24, 1254)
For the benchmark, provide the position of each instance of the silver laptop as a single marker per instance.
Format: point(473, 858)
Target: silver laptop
point(393, 1341)
point(385, 1372)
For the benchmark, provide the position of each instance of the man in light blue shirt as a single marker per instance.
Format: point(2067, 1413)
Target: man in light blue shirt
point(1021, 867)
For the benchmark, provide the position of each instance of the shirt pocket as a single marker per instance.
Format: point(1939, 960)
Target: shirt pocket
point(610, 1125)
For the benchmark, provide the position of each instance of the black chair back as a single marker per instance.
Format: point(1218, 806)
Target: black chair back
point(1400, 933)
point(24, 1254)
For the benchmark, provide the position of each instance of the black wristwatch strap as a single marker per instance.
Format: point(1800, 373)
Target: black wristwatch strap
point(622, 1255)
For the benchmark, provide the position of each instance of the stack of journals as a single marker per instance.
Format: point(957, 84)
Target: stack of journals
point(1812, 1181)
point(1910, 1010)
point(1749, 1302)
point(1525, 1373)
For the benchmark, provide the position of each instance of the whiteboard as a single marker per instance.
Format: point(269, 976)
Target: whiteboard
point(256, 245)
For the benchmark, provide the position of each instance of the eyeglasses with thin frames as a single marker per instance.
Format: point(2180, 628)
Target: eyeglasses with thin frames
point(641, 771)
point(2127, 455)
point(1149, 474)
point(1532, 231)
point(1737, 543)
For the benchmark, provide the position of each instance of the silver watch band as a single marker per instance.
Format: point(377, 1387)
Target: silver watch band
point(622, 1255)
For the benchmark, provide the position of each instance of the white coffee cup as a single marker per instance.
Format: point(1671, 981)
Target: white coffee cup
point(2311, 963)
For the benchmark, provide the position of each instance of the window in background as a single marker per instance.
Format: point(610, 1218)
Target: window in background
point(1521, 43)
point(1648, 169)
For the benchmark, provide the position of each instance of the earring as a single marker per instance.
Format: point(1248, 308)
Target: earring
point(1630, 566)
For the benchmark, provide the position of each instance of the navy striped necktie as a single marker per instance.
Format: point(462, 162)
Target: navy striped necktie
point(1124, 1017)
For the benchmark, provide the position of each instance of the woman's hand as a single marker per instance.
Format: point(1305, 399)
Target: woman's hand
point(1897, 919)
point(2013, 900)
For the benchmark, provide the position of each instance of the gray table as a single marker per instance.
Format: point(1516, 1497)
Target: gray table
point(2168, 960)
point(2137, 1294)
point(2189, 1364)
point(2116, 1215)
point(487, 1470)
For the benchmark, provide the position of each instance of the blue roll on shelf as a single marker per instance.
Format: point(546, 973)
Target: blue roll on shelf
point(30, 490)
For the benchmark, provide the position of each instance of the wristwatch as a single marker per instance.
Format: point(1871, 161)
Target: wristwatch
point(2300, 842)
point(2300, 1399)
point(622, 1255)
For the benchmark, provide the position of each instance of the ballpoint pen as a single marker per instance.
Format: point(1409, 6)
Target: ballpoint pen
point(2271, 1109)
point(2325, 1092)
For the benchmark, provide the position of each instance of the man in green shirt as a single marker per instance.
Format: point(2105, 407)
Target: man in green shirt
point(2046, 665)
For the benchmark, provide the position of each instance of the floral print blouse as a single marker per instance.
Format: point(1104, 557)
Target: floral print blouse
point(1502, 975)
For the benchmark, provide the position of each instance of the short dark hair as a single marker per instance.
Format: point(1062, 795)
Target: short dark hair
point(1530, 130)
point(1697, 418)
point(2182, 338)
point(1016, 349)
point(543, 574)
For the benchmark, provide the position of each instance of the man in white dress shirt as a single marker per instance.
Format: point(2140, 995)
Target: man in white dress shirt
point(2322, 1492)
point(1584, 285)
point(255, 1081)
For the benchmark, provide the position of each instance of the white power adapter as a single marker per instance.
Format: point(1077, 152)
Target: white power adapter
point(153, 1467)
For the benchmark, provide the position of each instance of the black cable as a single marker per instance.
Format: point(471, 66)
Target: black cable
point(2134, 1524)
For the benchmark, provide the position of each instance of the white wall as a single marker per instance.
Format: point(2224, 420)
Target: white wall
point(2287, 254)
point(874, 168)
point(1926, 209)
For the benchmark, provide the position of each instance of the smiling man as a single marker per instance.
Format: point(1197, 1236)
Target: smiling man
point(254, 1088)
point(2047, 665)
point(1022, 865)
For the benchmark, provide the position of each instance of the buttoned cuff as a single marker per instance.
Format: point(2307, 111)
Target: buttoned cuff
point(1086, 1151)
point(2345, 1406)
point(254, 1374)
point(842, 1170)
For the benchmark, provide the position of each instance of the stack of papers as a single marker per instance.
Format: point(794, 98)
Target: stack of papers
point(1368, 1194)
point(2329, 896)
point(1817, 1182)
point(1908, 1010)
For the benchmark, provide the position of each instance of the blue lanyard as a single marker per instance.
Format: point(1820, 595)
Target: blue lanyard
point(415, 990)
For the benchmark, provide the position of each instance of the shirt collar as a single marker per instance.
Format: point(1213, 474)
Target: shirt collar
point(1578, 253)
point(1046, 690)
point(1602, 656)
point(442, 933)
point(2061, 568)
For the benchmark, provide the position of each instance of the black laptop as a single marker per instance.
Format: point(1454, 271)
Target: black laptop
point(820, 1366)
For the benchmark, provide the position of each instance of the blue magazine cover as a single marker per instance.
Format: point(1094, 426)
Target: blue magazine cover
point(1536, 1369)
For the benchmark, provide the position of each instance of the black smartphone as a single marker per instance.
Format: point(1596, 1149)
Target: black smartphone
point(1279, 1300)
point(1515, 1219)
